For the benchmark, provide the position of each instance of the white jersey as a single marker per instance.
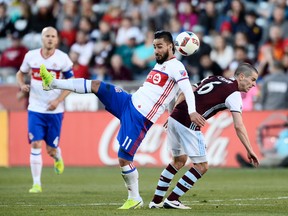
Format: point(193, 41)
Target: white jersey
point(57, 64)
point(160, 88)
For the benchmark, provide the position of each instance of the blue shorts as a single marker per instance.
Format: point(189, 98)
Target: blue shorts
point(42, 126)
point(133, 125)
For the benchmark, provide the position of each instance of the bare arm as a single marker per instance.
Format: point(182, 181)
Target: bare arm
point(21, 81)
point(243, 136)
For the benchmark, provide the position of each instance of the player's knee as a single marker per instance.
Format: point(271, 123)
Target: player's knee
point(179, 162)
point(51, 152)
point(202, 167)
point(95, 85)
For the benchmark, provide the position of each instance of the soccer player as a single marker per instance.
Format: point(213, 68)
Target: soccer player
point(137, 112)
point(45, 109)
point(185, 139)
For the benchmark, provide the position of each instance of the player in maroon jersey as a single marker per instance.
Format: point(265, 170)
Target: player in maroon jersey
point(185, 139)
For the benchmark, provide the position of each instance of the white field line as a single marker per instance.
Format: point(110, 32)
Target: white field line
point(200, 203)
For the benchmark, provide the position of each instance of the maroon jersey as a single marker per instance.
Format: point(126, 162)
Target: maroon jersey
point(212, 95)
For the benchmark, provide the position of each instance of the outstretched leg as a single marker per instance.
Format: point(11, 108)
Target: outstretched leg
point(78, 85)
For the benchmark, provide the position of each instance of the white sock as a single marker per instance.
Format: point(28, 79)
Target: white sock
point(78, 85)
point(130, 175)
point(58, 155)
point(36, 165)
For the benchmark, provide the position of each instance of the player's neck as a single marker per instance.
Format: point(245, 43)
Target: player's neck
point(46, 53)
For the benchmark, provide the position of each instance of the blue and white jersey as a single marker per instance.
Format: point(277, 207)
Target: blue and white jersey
point(59, 64)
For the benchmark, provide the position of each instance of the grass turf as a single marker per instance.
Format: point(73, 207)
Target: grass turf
point(100, 191)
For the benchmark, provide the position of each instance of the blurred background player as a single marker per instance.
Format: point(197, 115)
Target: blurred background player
point(185, 138)
point(45, 109)
point(137, 112)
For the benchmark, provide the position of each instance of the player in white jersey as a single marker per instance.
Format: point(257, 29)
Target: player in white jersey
point(45, 109)
point(137, 112)
point(185, 139)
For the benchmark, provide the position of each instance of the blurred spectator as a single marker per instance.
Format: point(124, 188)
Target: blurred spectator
point(128, 30)
point(68, 33)
point(84, 47)
point(209, 17)
point(221, 53)
point(251, 29)
point(226, 32)
point(175, 27)
point(273, 48)
point(117, 70)
point(11, 59)
point(192, 62)
point(69, 10)
point(208, 67)
point(143, 57)
point(126, 50)
point(23, 20)
point(240, 56)
point(240, 39)
point(6, 25)
point(104, 30)
point(113, 17)
point(99, 71)
point(86, 10)
point(44, 16)
point(85, 25)
point(234, 16)
point(104, 49)
point(278, 19)
point(274, 89)
point(187, 15)
point(162, 15)
point(137, 10)
point(79, 71)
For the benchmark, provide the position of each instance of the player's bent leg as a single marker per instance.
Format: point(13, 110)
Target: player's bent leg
point(58, 160)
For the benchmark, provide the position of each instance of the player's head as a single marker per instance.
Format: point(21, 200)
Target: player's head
point(49, 38)
point(246, 75)
point(163, 46)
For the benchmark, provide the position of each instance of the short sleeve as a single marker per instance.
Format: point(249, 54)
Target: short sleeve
point(234, 102)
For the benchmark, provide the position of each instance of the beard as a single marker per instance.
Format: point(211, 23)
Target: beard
point(164, 58)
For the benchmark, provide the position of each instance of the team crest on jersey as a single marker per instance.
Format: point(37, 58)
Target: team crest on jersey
point(157, 78)
point(183, 73)
point(118, 90)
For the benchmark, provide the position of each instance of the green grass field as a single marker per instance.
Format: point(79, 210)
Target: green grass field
point(100, 191)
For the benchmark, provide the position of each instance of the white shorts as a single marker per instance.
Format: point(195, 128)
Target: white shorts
point(184, 141)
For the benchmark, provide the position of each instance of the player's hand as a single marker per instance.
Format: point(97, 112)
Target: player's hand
point(197, 119)
point(253, 159)
point(53, 104)
point(25, 88)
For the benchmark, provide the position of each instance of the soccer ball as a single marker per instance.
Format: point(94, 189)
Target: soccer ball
point(187, 43)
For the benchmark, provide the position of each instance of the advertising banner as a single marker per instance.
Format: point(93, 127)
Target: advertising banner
point(89, 139)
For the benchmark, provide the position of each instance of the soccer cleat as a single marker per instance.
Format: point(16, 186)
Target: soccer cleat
point(36, 188)
point(132, 204)
point(47, 78)
point(175, 204)
point(155, 205)
point(59, 166)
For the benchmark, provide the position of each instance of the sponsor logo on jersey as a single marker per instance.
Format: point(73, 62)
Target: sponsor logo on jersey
point(157, 78)
point(36, 73)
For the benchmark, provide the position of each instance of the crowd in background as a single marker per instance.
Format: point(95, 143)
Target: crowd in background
point(112, 39)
